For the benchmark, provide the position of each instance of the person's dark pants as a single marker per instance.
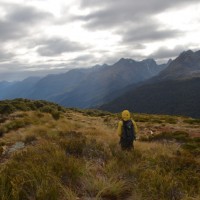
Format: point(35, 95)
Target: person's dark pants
point(126, 146)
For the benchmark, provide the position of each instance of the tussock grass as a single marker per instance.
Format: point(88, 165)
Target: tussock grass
point(91, 169)
point(192, 121)
point(179, 136)
point(96, 113)
point(40, 172)
point(186, 142)
point(103, 188)
point(155, 118)
point(29, 139)
point(77, 156)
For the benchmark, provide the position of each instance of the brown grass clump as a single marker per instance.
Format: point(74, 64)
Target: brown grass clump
point(39, 173)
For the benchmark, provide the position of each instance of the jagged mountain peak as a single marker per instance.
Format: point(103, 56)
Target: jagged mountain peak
point(188, 52)
point(186, 65)
point(149, 61)
point(189, 57)
point(125, 61)
point(169, 61)
point(92, 86)
point(98, 66)
point(128, 61)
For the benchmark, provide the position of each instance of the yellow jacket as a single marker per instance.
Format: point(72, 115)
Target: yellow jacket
point(120, 124)
point(126, 115)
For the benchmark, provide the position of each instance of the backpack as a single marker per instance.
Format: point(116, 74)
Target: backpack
point(128, 133)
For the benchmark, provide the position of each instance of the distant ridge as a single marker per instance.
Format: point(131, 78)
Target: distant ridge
point(186, 65)
point(85, 88)
point(175, 90)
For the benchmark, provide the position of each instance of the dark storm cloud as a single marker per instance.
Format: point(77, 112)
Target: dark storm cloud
point(164, 52)
point(57, 46)
point(117, 13)
point(19, 20)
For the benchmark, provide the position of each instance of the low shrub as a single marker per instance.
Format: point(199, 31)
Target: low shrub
point(55, 115)
point(192, 121)
point(10, 106)
point(96, 150)
point(193, 146)
point(96, 113)
point(6, 108)
point(29, 139)
point(16, 124)
point(75, 146)
point(179, 136)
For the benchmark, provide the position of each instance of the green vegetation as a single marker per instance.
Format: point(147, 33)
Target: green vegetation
point(190, 144)
point(192, 121)
point(13, 125)
point(179, 136)
point(96, 113)
point(77, 156)
point(155, 118)
point(10, 106)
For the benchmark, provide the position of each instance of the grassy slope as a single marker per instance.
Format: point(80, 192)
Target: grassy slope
point(75, 155)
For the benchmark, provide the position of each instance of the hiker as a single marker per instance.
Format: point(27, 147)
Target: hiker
point(127, 130)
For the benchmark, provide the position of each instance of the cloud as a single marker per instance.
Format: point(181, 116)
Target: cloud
point(4, 55)
point(84, 57)
point(112, 13)
point(27, 15)
point(151, 32)
point(166, 53)
point(11, 31)
point(19, 20)
point(11, 67)
point(32, 33)
point(57, 46)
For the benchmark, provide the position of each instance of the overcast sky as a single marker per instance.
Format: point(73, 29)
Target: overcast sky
point(45, 36)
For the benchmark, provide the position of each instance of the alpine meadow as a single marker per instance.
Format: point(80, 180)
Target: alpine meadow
point(51, 152)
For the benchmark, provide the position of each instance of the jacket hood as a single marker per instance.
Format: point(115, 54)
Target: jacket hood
point(126, 115)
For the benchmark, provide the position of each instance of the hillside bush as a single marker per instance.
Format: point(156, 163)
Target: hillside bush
point(29, 139)
point(6, 108)
point(179, 136)
point(192, 121)
point(56, 115)
point(10, 106)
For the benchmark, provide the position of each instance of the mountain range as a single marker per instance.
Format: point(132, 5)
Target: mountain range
point(140, 86)
point(83, 88)
point(175, 90)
